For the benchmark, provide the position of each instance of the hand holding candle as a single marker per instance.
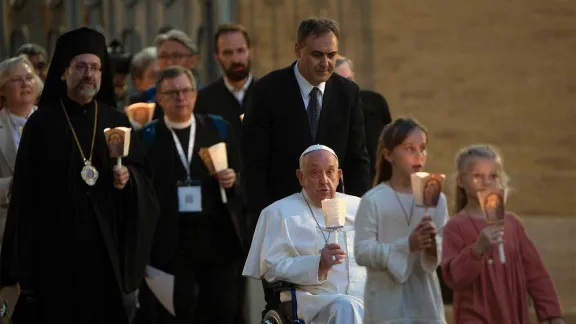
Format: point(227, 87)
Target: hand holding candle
point(118, 141)
point(334, 211)
point(493, 203)
point(121, 176)
point(215, 159)
point(423, 236)
point(491, 234)
point(227, 178)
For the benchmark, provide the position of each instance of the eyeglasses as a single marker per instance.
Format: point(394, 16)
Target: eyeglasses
point(176, 92)
point(174, 56)
point(22, 80)
point(82, 68)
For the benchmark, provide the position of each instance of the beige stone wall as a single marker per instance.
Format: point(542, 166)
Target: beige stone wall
point(500, 72)
point(554, 240)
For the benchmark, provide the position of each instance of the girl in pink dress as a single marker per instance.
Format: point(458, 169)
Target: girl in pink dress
point(485, 290)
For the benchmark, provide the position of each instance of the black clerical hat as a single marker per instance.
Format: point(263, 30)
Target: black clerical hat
point(69, 45)
point(119, 59)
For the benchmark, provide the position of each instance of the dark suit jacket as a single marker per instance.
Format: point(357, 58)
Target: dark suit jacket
point(166, 166)
point(376, 117)
point(276, 131)
point(216, 99)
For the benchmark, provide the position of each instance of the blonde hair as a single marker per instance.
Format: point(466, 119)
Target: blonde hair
point(9, 66)
point(463, 159)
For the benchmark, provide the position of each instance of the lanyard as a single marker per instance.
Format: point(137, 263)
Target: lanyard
point(186, 160)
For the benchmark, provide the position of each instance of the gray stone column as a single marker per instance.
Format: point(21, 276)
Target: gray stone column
point(71, 8)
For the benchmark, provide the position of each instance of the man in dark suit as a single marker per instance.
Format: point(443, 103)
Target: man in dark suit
point(199, 238)
point(295, 107)
point(228, 95)
point(376, 114)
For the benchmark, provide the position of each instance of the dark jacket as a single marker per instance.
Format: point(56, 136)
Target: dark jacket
point(276, 131)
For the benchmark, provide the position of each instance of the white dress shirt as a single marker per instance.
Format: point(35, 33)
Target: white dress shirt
point(238, 93)
point(306, 87)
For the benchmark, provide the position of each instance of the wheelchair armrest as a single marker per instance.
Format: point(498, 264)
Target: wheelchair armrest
point(278, 285)
point(272, 291)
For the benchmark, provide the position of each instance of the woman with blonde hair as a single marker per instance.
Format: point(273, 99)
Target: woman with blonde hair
point(19, 89)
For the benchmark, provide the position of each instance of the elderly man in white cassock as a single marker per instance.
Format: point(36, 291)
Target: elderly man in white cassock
point(292, 244)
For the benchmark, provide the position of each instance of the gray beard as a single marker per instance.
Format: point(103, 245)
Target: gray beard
point(87, 92)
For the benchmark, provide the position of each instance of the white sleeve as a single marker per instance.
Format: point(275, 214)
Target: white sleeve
point(395, 257)
point(253, 267)
point(278, 259)
point(430, 262)
point(300, 270)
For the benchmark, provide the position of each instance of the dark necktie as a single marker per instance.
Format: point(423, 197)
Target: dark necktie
point(314, 113)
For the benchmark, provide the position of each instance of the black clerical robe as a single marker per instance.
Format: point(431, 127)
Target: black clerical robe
point(202, 249)
point(376, 117)
point(75, 249)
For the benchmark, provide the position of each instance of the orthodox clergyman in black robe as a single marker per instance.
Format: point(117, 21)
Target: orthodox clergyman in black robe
point(79, 227)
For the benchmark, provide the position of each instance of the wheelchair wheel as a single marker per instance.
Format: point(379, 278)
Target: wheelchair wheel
point(273, 317)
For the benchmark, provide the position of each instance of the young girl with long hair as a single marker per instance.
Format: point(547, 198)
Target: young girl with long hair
point(397, 243)
point(485, 290)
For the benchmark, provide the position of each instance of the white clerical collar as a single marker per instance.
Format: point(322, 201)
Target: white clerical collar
point(243, 88)
point(304, 85)
point(180, 125)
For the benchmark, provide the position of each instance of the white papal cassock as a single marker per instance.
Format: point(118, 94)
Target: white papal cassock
point(286, 247)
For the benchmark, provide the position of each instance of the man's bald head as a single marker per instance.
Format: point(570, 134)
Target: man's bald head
point(344, 68)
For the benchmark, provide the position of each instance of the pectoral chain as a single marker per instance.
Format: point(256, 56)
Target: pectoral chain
point(89, 173)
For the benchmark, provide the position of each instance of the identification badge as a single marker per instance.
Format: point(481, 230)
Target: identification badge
point(189, 196)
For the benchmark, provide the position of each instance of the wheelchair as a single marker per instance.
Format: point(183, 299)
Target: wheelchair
point(277, 312)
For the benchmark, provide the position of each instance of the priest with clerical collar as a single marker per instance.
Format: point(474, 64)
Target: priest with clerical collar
point(79, 227)
point(292, 244)
point(200, 238)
